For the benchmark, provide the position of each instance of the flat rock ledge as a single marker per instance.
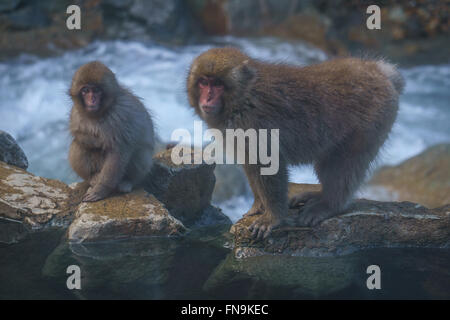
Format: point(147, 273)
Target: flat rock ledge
point(130, 215)
point(34, 201)
point(366, 224)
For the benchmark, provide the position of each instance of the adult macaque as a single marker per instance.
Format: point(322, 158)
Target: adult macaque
point(113, 138)
point(335, 115)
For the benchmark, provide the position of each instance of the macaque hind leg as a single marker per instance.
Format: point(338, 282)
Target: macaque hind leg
point(108, 178)
point(136, 171)
point(340, 174)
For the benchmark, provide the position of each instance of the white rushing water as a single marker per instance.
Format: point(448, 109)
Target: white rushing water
point(34, 104)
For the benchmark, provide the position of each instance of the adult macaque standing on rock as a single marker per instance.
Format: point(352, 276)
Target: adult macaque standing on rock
point(335, 115)
point(113, 136)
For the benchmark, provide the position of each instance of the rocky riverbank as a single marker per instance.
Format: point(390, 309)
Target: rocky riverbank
point(411, 32)
point(176, 200)
point(179, 200)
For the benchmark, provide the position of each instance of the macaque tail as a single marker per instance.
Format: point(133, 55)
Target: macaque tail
point(391, 72)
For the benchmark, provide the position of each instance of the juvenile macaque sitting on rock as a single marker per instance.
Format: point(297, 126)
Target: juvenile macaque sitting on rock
point(335, 115)
point(113, 138)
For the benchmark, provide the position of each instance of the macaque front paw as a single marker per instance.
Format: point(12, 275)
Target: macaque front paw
point(314, 212)
point(257, 208)
point(303, 198)
point(263, 226)
point(95, 194)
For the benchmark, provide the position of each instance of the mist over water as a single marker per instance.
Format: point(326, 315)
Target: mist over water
point(34, 104)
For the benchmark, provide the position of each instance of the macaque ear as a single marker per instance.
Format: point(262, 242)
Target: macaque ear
point(242, 73)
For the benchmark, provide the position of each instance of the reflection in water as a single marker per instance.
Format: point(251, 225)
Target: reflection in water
point(201, 267)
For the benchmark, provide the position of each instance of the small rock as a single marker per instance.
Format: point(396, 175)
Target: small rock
point(122, 216)
point(185, 190)
point(10, 152)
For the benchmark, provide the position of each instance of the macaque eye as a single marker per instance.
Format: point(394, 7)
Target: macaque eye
point(84, 90)
point(203, 82)
point(96, 90)
point(217, 83)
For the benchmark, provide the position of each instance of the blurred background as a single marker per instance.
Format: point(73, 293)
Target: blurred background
point(150, 45)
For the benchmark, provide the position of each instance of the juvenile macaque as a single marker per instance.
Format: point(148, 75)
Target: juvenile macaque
point(335, 115)
point(113, 136)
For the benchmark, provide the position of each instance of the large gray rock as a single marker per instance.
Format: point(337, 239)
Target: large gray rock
point(10, 152)
point(366, 224)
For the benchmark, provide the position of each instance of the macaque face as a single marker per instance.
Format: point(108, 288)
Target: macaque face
point(210, 98)
point(92, 97)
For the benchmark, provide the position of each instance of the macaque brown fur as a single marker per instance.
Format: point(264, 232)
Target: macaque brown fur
point(335, 115)
point(113, 140)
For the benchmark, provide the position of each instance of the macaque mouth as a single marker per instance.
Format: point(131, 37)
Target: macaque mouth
point(92, 108)
point(209, 109)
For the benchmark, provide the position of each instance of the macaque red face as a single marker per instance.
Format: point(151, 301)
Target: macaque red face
point(210, 100)
point(92, 97)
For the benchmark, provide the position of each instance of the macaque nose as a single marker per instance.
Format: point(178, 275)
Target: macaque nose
point(92, 98)
point(210, 94)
